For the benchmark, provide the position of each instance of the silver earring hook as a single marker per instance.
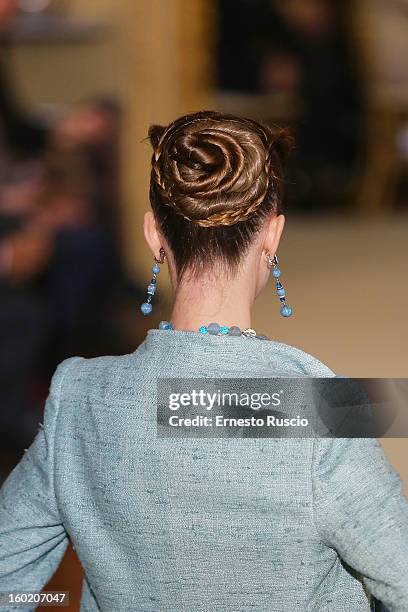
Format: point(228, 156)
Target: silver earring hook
point(162, 257)
point(272, 261)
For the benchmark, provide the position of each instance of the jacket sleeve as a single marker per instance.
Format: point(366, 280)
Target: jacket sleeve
point(361, 512)
point(32, 537)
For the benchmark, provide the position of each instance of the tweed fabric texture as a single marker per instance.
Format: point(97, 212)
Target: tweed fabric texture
point(199, 525)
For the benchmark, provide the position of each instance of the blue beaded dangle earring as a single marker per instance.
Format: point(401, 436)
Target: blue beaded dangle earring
point(273, 264)
point(147, 307)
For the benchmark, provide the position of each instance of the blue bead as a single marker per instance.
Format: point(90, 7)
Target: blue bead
point(151, 290)
point(146, 308)
point(281, 292)
point(286, 311)
point(234, 331)
point(282, 299)
point(203, 329)
point(156, 269)
point(276, 272)
point(279, 285)
point(224, 330)
point(214, 329)
point(153, 281)
point(165, 325)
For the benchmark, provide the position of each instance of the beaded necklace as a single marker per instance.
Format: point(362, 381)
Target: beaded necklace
point(214, 329)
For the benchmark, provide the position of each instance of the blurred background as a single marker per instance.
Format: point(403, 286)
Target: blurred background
point(81, 81)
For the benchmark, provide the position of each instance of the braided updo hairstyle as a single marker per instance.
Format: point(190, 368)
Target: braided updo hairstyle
point(215, 179)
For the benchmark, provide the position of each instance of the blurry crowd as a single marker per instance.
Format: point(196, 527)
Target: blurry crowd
point(304, 50)
point(60, 267)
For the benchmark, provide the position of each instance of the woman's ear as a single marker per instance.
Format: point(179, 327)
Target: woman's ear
point(273, 234)
point(151, 234)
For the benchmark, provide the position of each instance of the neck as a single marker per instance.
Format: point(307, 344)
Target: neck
point(202, 302)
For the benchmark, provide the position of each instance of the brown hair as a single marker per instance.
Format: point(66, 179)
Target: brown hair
point(215, 178)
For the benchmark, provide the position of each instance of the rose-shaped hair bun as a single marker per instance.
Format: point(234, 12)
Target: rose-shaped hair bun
point(216, 170)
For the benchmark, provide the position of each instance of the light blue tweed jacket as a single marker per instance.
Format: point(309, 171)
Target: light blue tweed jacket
point(194, 525)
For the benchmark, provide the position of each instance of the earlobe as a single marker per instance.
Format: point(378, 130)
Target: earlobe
point(151, 234)
point(274, 233)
